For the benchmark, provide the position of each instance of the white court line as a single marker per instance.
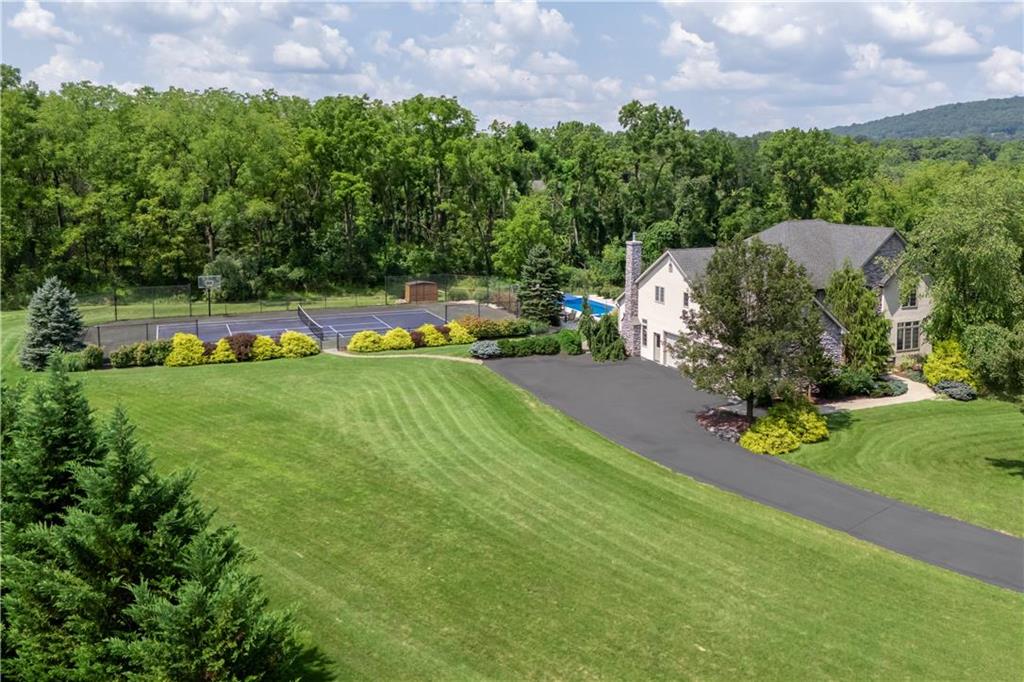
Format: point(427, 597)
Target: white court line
point(382, 322)
point(228, 327)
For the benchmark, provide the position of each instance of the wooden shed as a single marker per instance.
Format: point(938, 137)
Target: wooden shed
point(421, 291)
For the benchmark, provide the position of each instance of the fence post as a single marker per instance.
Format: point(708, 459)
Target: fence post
point(147, 331)
point(99, 341)
point(197, 326)
point(115, 306)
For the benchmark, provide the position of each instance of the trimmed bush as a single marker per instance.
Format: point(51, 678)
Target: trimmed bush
point(947, 363)
point(222, 353)
point(514, 327)
point(483, 328)
point(606, 344)
point(149, 353)
point(208, 348)
point(124, 356)
point(298, 345)
point(531, 345)
point(957, 390)
point(886, 388)
point(485, 350)
point(770, 436)
point(571, 341)
point(803, 420)
point(397, 339)
point(265, 348)
point(417, 339)
point(432, 336)
point(459, 334)
point(186, 350)
point(848, 382)
point(366, 342)
point(241, 345)
point(538, 327)
point(91, 357)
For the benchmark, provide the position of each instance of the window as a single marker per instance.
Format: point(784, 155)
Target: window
point(643, 333)
point(670, 268)
point(686, 299)
point(657, 341)
point(911, 301)
point(908, 336)
point(659, 294)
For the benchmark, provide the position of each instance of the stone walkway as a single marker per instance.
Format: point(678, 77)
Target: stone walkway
point(651, 410)
point(916, 392)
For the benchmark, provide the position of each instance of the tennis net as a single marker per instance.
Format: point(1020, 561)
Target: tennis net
point(315, 328)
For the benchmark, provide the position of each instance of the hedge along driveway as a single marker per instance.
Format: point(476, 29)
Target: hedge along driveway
point(651, 410)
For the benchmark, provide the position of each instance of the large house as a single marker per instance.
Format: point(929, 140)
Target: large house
point(654, 299)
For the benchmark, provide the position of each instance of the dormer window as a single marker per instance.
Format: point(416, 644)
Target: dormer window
point(911, 300)
point(670, 267)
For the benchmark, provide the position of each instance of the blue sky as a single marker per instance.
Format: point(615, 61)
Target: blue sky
point(737, 66)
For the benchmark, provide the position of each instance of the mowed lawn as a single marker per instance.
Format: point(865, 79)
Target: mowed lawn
point(965, 460)
point(428, 519)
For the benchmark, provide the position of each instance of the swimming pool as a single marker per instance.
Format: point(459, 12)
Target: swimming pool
point(597, 308)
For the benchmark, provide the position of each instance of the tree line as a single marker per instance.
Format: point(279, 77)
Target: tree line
point(104, 188)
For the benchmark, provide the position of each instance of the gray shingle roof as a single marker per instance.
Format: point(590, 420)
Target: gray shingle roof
point(820, 246)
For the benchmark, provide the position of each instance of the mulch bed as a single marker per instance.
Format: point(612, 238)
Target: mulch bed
point(724, 424)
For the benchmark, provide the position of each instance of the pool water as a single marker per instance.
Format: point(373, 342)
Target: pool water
point(597, 308)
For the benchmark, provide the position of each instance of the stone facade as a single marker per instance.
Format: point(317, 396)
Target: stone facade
point(629, 320)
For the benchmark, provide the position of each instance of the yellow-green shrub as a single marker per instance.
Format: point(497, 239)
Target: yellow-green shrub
point(265, 348)
point(770, 436)
point(459, 334)
point(397, 339)
point(803, 420)
point(367, 342)
point(431, 335)
point(298, 345)
point(948, 363)
point(186, 350)
point(222, 353)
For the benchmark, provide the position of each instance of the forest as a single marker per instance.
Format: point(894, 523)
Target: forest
point(281, 194)
point(994, 118)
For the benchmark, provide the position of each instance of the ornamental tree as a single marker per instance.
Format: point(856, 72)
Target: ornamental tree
point(607, 343)
point(539, 293)
point(54, 323)
point(757, 331)
point(586, 324)
point(866, 344)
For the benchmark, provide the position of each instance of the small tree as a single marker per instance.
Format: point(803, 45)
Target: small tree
point(539, 293)
point(608, 344)
point(586, 323)
point(866, 344)
point(54, 323)
point(757, 332)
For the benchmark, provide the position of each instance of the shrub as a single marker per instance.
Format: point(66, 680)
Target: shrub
point(459, 334)
point(72, 361)
point(298, 345)
point(483, 328)
point(531, 345)
point(366, 342)
point(995, 356)
point(149, 353)
point(947, 363)
point(432, 336)
point(606, 344)
point(445, 331)
point(124, 356)
point(803, 420)
point(265, 348)
point(485, 350)
point(957, 390)
point(417, 338)
point(208, 348)
point(397, 339)
point(92, 357)
point(886, 388)
point(514, 327)
point(241, 345)
point(186, 350)
point(770, 436)
point(53, 323)
point(222, 353)
point(538, 327)
point(848, 382)
point(571, 341)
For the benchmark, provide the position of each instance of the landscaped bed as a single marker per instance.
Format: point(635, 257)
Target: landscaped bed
point(962, 460)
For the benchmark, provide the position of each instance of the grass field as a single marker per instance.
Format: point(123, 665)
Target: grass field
point(964, 460)
point(430, 520)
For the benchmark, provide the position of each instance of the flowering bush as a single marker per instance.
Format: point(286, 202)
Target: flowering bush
point(397, 339)
point(298, 345)
point(366, 342)
point(186, 350)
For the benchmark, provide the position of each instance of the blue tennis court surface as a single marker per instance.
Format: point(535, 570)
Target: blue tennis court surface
point(340, 324)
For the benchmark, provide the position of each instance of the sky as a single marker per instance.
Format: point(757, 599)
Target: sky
point(743, 67)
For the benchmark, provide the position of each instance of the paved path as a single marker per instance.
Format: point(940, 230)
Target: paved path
point(650, 410)
point(916, 392)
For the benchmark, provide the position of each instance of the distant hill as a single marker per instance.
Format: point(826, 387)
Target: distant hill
point(996, 118)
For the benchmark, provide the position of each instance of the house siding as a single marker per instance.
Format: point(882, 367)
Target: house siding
point(893, 311)
point(663, 318)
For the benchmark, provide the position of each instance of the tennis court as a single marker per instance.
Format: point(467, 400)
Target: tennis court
point(326, 324)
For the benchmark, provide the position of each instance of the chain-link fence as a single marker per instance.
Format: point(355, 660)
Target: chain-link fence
point(452, 288)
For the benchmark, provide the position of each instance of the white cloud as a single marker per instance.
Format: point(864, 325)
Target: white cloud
point(63, 67)
point(35, 22)
point(522, 19)
point(910, 23)
point(293, 55)
point(701, 67)
point(381, 44)
point(337, 13)
point(202, 63)
point(760, 21)
point(550, 62)
point(869, 61)
point(1004, 71)
point(951, 39)
point(679, 42)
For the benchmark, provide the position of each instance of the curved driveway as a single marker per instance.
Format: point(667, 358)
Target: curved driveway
point(650, 410)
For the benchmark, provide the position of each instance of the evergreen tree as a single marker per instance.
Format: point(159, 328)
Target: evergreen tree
point(586, 323)
point(608, 344)
point(10, 404)
point(757, 332)
point(54, 432)
point(54, 323)
point(539, 293)
point(866, 344)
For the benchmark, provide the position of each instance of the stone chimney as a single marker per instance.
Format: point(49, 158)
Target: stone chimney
point(629, 320)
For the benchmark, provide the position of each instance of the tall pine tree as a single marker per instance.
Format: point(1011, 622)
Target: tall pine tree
point(866, 343)
point(54, 323)
point(539, 294)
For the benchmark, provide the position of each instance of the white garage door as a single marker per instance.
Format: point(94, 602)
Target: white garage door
point(667, 357)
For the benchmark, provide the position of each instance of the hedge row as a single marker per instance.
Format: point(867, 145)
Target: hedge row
point(567, 341)
point(186, 350)
point(427, 335)
point(90, 357)
point(784, 428)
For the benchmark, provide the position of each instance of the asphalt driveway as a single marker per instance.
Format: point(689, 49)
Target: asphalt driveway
point(650, 410)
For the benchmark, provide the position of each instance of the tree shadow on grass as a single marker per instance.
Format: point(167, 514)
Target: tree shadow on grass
point(1014, 467)
point(837, 421)
point(312, 664)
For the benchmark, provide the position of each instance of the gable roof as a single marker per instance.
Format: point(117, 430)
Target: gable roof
point(692, 262)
